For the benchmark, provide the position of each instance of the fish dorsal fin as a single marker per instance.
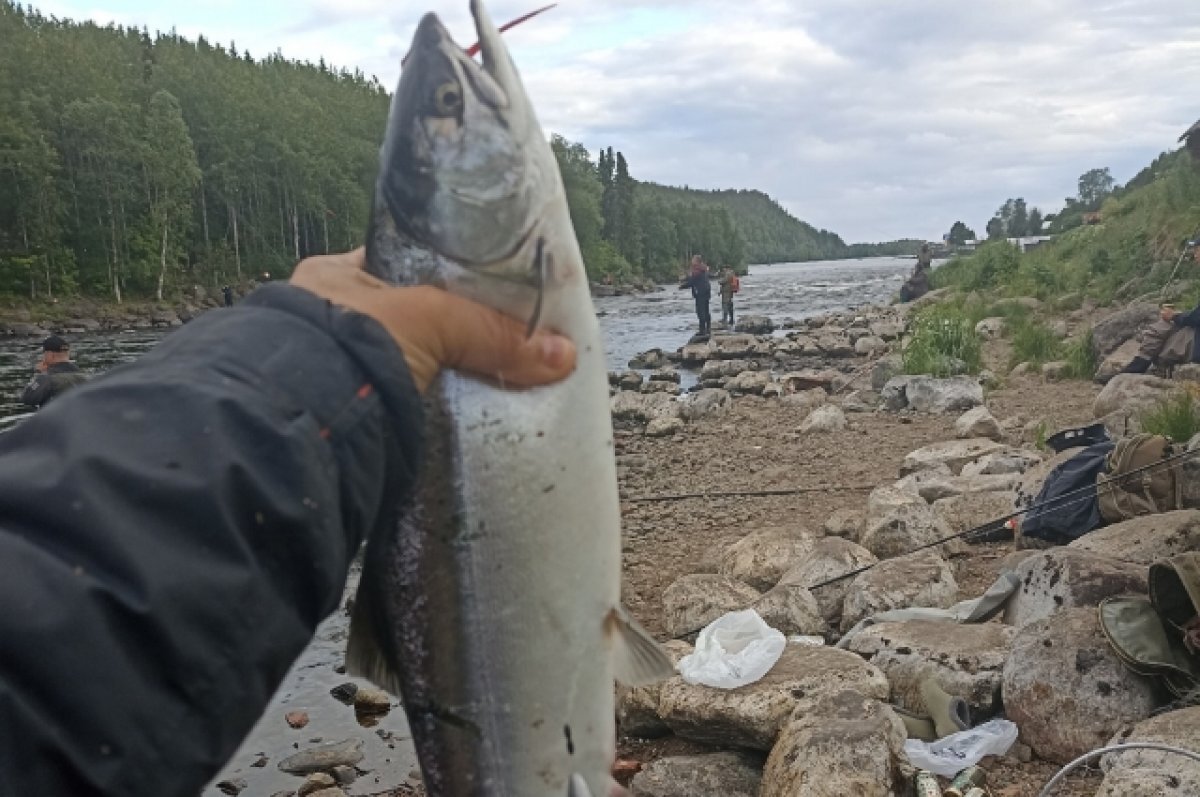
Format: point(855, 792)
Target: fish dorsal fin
point(637, 659)
point(364, 657)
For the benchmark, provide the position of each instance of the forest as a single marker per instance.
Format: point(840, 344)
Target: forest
point(135, 165)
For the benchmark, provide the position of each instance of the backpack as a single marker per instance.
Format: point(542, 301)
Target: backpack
point(1066, 507)
point(1149, 492)
point(735, 283)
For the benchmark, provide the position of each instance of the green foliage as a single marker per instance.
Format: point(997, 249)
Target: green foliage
point(1176, 417)
point(1081, 357)
point(960, 234)
point(1040, 433)
point(1033, 342)
point(943, 343)
point(992, 265)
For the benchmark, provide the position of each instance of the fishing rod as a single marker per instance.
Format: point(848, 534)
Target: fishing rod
point(750, 493)
point(1188, 246)
point(1078, 495)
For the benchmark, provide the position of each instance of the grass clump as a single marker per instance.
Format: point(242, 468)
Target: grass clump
point(1176, 417)
point(1081, 357)
point(943, 343)
point(1033, 342)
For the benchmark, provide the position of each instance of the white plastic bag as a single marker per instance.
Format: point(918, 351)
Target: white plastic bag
point(952, 754)
point(734, 650)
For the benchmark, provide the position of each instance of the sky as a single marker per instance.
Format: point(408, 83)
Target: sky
point(876, 119)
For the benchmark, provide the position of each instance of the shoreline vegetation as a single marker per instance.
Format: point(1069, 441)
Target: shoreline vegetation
point(135, 166)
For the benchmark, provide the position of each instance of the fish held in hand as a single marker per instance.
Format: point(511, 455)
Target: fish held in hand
point(491, 604)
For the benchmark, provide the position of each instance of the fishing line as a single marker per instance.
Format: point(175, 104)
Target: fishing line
point(750, 493)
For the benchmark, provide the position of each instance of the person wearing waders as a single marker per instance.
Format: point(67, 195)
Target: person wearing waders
point(697, 280)
point(729, 286)
point(227, 293)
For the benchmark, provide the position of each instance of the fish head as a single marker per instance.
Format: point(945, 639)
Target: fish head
point(465, 162)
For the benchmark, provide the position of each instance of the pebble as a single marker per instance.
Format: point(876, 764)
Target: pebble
point(369, 700)
point(344, 775)
point(344, 693)
point(316, 782)
point(232, 787)
point(261, 761)
point(348, 752)
point(296, 719)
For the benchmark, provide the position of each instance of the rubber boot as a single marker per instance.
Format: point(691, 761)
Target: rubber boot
point(1139, 365)
point(917, 727)
point(949, 713)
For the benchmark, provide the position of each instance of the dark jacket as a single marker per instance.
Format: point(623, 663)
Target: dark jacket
point(1191, 319)
point(698, 282)
point(56, 380)
point(172, 532)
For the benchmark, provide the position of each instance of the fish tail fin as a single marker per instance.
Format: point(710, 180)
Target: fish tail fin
point(577, 787)
point(637, 659)
point(365, 657)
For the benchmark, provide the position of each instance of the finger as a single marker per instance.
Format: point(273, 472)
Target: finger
point(482, 341)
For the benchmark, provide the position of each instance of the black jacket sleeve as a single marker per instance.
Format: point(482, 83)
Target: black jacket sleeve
point(1188, 319)
point(35, 392)
point(172, 532)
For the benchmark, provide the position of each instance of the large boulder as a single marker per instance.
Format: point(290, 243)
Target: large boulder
point(1155, 773)
point(732, 347)
point(1117, 360)
point(954, 454)
point(663, 427)
point(694, 601)
point(695, 354)
point(955, 394)
point(1145, 540)
point(804, 399)
point(762, 557)
point(654, 358)
point(886, 499)
point(1012, 461)
point(720, 369)
point(1066, 578)
point(823, 420)
point(869, 345)
point(1066, 690)
point(729, 774)
point(977, 422)
point(1132, 393)
point(982, 511)
point(894, 393)
point(887, 328)
point(753, 382)
point(755, 324)
point(637, 707)
point(705, 403)
point(846, 744)
point(903, 529)
point(965, 660)
point(791, 609)
point(808, 379)
point(643, 407)
point(1121, 326)
point(837, 345)
point(845, 523)
point(884, 369)
point(919, 579)
point(830, 557)
point(751, 716)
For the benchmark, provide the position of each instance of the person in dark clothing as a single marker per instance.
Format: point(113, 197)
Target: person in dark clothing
point(917, 285)
point(1169, 341)
point(227, 293)
point(173, 531)
point(55, 375)
point(697, 280)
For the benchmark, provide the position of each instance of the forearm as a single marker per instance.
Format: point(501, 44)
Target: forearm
point(172, 534)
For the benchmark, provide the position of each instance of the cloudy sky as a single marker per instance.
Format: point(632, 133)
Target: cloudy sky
point(876, 119)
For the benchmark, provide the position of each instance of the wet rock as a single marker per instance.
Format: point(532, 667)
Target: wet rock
point(719, 369)
point(919, 579)
point(316, 782)
point(637, 707)
point(903, 529)
point(663, 427)
point(955, 394)
point(830, 557)
point(977, 422)
point(869, 345)
point(823, 420)
point(694, 601)
point(1056, 371)
point(884, 370)
point(643, 407)
point(732, 347)
point(835, 346)
point(323, 757)
point(726, 774)
point(260, 762)
point(1132, 393)
point(791, 609)
point(751, 716)
point(1154, 773)
point(845, 523)
point(296, 719)
point(1146, 539)
point(954, 454)
point(965, 660)
point(755, 324)
point(654, 358)
point(706, 403)
point(694, 354)
point(344, 775)
point(1066, 690)
point(990, 328)
point(762, 557)
point(661, 386)
point(845, 744)
point(232, 787)
point(1121, 326)
point(344, 693)
point(369, 700)
point(1066, 578)
point(1115, 362)
point(1013, 461)
point(982, 511)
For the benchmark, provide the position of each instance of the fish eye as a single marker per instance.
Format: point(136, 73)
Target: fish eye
point(447, 99)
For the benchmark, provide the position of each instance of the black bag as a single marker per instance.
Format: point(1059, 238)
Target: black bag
point(1059, 520)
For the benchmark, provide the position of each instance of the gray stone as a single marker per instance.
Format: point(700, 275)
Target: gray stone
point(719, 369)
point(977, 422)
point(316, 782)
point(762, 557)
point(954, 454)
point(323, 757)
point(643, 407)
point(661, 386)
point(654, 358)
point(860, 401)
point(1121, 327)
point(835, 346)
point(919, 579)
point(232, 787)
point(974, 510)
point(694, 601)
point(1065, 578)
point(807, 379)
point(805, 399)
point(954, 394)
point(1145, 540)
point(1056, 371)
point(1154, 773)
point(831, 557)
point(630, 380)
point(733, 347)
point(869, 345)
point(887, 329)
point(1188, 372)
point(845, 523)
point(990, 328)
point(1115, 362)
point(695, 354)
point(727, 774)
point(791, 609)
point(1131, 393)
point(845, 744)
point(966, 660)
point(666, 374)
point(884, 369)
point(706, 403)
point(663, 427)
point(894, 393)
point(824, 419)
point(755, 324)
point(752, 716)
point(752, 382)
point(1066, 690)
point(1021, 369)
point(903, 529)
point(637, 707)
point(369, 700)
point(1011, 462)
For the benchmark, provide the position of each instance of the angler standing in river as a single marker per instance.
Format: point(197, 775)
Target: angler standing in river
point(55, 375)
point(697, 280)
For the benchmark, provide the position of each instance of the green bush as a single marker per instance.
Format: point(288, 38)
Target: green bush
point(943, 343)
point(1081, 356)
point(1033, 342)
point(1176, 417)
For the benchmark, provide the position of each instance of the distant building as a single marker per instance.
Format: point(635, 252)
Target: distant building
point(1029, 242)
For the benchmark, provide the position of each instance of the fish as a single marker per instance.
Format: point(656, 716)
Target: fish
point(491, 603)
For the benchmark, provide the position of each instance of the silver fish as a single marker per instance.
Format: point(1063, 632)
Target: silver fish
point(492, 605)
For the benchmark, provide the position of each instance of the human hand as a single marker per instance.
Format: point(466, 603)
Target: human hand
point(1168, 313)
point(42, 366)
point(436, 329)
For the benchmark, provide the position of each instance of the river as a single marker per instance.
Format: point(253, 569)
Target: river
point(631, 324)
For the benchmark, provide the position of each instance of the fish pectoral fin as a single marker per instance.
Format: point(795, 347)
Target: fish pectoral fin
point(539, 277)
point(637, 659)
point(364, 657)
point(578, 787)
